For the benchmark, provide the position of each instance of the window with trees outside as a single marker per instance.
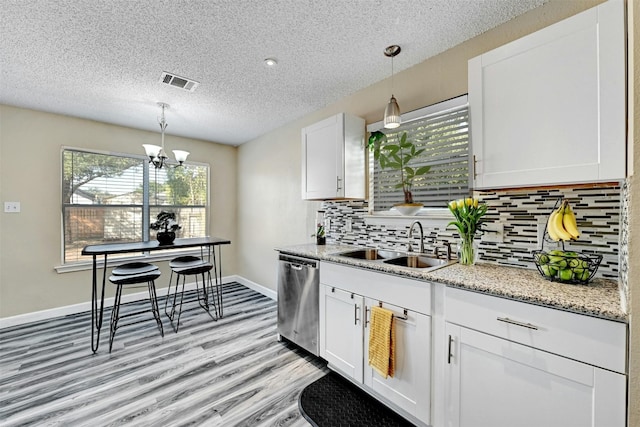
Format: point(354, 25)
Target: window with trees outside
point(442, 131)
point(112, 198)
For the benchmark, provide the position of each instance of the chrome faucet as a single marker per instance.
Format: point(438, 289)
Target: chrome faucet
point(409, 248)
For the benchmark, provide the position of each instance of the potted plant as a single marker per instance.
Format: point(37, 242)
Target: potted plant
point(399, 156)
point(321, 238)
point(167, 226)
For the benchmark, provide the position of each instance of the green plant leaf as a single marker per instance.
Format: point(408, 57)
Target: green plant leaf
point(406, 145)
point(422, 170)
point(395, 165)
point(392, 148)
point(376, 138)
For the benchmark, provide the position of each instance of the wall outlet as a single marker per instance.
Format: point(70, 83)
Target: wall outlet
point(348, 225)
point(12, 207)
point(494, 232)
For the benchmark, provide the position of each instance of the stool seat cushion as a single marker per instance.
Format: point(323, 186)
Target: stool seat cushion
point(192, 268)
point(133, 268)
point(183, 261)
point(131, 279)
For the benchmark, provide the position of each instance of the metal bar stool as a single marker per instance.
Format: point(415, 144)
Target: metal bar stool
point(131, 274)
point(189, 266)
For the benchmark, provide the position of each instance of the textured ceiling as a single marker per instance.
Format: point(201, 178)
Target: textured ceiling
point(102, 60)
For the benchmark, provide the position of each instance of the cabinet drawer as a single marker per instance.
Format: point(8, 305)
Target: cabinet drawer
point(587, 339)
point(406, 293)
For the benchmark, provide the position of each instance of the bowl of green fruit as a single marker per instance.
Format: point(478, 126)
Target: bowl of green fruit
point(566, 266)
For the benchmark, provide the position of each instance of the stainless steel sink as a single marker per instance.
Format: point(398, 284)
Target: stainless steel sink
point(371, 254)
point(416, 261)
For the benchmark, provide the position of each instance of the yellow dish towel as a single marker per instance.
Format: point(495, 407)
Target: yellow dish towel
point(382, 341)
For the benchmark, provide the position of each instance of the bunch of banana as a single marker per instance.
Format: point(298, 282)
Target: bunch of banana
point(562, 223)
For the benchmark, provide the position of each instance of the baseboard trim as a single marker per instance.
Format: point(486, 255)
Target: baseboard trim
point(270, 293)
point(7, 322)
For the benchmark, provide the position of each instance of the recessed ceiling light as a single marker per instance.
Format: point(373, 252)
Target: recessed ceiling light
point(270, 62)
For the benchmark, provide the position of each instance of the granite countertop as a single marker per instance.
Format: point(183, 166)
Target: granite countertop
point(601, 298)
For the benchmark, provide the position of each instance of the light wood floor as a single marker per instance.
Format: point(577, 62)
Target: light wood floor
point(232, 372)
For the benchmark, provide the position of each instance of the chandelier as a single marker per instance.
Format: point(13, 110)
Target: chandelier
point(156, 153)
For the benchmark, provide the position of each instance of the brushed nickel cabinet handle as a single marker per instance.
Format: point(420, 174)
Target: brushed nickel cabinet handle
point(355, 314)
point(450, 345)
point(515, 322)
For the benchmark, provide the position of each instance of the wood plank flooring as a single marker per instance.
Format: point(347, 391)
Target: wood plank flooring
point(232, 372)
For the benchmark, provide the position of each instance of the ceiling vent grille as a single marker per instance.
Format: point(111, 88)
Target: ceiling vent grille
point(179, 82)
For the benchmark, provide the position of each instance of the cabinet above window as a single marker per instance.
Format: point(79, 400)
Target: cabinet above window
point(549, 108)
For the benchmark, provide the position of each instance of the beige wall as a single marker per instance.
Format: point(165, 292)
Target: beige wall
point(30, 172)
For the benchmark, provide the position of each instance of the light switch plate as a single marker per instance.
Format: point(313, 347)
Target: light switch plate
point(12, 207)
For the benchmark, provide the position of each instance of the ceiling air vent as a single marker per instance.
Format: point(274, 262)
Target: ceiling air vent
point(179, 82)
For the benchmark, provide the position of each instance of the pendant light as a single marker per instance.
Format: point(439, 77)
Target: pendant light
point(392, 113)
point(156, 153)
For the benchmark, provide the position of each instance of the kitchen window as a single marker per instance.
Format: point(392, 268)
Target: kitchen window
point(442, 130)
point(112, 198)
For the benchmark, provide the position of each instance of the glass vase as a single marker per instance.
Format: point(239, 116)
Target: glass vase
point(467, 251)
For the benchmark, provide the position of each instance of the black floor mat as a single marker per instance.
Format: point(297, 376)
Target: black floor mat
point(333, 401)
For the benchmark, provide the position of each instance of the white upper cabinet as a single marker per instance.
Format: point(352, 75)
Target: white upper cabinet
point(549, 108)
point(333, 159)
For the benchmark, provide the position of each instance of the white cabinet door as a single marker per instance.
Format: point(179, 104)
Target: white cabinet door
point(333, 159)
point(341, 330)
point(410, 387)
point(549, 108)
point(322, 151)
point(494, 382)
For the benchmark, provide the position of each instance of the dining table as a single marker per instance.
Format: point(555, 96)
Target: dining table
point(207, 247)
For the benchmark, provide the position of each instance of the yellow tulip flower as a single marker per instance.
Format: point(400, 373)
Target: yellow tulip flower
point(460, 203)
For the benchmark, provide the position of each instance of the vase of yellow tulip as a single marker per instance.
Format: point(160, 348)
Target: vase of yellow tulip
point(468, 213)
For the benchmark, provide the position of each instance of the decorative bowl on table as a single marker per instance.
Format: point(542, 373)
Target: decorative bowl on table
point(567, 266)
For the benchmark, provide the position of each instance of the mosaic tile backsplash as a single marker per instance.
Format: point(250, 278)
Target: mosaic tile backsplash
point(523, 214)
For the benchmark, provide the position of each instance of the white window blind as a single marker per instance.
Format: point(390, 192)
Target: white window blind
point(112, 198)
point(444, 135)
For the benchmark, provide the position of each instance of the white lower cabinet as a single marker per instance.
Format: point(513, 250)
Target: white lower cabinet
point(344, 335)
point(409, 388)
point(493, 381)
point(341, 331)
point(466, 359)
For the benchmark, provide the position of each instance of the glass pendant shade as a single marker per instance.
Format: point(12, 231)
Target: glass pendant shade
point(180, 155)
point(152, 150)
point(392, 114)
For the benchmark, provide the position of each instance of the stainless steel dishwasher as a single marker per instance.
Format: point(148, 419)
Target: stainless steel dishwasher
point(298, 301)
